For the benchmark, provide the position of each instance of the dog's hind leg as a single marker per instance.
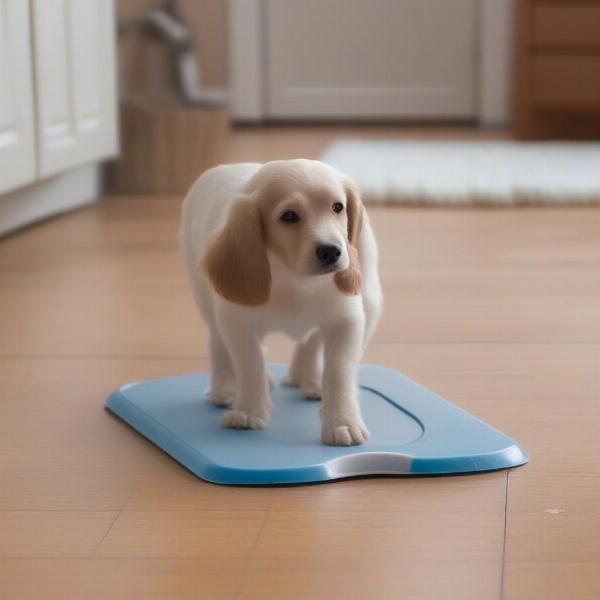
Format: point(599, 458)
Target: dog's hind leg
point(306, 368)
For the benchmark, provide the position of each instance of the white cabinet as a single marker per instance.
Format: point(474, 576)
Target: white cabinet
point(17, 149)
point(74, 57)
point(58, 105)
point(57, 87)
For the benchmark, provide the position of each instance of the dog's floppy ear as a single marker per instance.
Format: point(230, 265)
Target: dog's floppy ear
point(349, 281)
point(236, 261)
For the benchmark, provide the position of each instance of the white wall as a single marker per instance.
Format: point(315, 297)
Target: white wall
point(496, 62)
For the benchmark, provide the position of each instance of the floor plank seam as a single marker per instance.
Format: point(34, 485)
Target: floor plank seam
point(95, 552)
point(253, 552)
point(503, 568)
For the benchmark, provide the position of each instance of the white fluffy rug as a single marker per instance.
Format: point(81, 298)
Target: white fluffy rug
point(470, 172)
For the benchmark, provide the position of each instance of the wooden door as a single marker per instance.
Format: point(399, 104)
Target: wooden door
point(408, 59)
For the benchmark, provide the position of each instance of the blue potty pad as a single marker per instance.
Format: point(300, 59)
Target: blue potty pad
point(413, 432)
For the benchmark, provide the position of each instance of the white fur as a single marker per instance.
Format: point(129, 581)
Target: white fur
point(332, 328)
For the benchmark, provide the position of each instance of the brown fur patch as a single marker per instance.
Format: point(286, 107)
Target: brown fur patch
point(349, 281)
point(236, 262)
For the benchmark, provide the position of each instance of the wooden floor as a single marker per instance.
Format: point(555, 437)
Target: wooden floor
point(497, 309)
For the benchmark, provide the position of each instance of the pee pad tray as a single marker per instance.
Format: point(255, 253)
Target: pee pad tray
point(413, 432)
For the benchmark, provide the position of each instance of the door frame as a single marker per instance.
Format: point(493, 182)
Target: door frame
point(247, 60)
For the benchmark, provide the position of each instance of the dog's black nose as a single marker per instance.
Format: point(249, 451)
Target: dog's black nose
point(328, 254)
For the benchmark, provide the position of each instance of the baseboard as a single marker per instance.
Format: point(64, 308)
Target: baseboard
point(49, 197)
point(215, 95)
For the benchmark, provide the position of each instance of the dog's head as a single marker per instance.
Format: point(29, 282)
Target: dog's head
point(303, 214)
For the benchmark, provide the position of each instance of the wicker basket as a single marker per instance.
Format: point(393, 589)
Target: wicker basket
point(165, 147)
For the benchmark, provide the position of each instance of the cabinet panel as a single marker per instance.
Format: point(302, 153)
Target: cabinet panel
point(86, 84)
point(17, 153)
point(566, 25)
point(568, 81)
point(75, 77)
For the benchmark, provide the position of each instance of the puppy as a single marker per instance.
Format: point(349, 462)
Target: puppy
point(285, 246)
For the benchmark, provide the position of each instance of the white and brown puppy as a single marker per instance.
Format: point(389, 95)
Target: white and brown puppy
point(285, 246)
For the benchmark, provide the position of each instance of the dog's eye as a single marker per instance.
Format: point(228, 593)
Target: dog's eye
point(289, 216)
point(338, 207)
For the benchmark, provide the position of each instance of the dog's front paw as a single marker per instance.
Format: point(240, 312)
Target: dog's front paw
point(220, 397)
point(344, 432)
point(239, 419)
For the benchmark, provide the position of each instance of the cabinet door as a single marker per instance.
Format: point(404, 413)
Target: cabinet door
point(17, 153)
point(74, 43)
point(371, 58)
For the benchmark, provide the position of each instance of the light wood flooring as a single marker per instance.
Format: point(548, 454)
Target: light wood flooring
point(496, 309)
